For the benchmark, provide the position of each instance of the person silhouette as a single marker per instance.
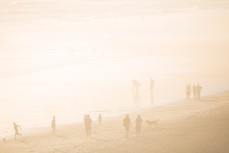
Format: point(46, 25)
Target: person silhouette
point(100, 119)
point(136, 86)
point(194, 90)
point(188, 91)
point(88, 122)
point(53, 125)
point(151, 84)
point(127, 125)
point(138, 122)
point(85, 124)
point(151, 90)
point(16, 130)
point(198, 90)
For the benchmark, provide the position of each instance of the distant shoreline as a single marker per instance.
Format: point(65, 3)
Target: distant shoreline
point(44, 129)
point(197, 122)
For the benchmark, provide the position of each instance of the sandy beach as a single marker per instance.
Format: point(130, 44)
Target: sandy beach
point(69, 58)
point(192, 126)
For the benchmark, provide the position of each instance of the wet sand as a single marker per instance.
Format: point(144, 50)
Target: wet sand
point(193, 126)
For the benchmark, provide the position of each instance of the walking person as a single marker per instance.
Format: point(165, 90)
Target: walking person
point(138, 122)
point(194, 91)
point(136, 86)
point(127, 125)
point(53, 125)
point(16, 130)
point(85, 124)
point(188, 91)
point(198, 90)
point(100, 119)
point(151, 90)
point(88, 122)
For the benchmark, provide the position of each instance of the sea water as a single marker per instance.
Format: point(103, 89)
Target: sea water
point(93, 87)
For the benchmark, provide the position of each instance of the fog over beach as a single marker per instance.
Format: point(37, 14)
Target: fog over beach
point(74, 57)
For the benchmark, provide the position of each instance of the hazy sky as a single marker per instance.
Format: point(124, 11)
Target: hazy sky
point(47, 32)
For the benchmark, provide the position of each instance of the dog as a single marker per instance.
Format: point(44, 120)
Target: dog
point(152, 122)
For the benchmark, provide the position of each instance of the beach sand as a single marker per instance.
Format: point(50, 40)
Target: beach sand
point(192, 126)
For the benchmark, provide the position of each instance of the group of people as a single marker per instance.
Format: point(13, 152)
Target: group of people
point(195, 89)
point(137, 85)
point(127, 125)
point(87, 124)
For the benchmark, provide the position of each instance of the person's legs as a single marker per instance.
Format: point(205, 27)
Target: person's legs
point(86, 130)
point(53, 131)
point(137, 131)
point(127, 132)
point(89, 133)
point(198, 95)
point(16, 133)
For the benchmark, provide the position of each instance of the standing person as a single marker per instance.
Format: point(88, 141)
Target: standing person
point(194, 90)
point(136, 86)
point(198, 90)
point(138, 122)
point(151, 90)
point(87, 122)
point(188, 91)
point(16, 130)
point(100, 119)
point(127, 124)
point(151, 85)
point(53, 125)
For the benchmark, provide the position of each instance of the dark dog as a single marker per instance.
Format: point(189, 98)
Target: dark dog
point(152, 122)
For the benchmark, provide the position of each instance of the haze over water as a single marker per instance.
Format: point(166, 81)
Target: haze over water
point(68, 58)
